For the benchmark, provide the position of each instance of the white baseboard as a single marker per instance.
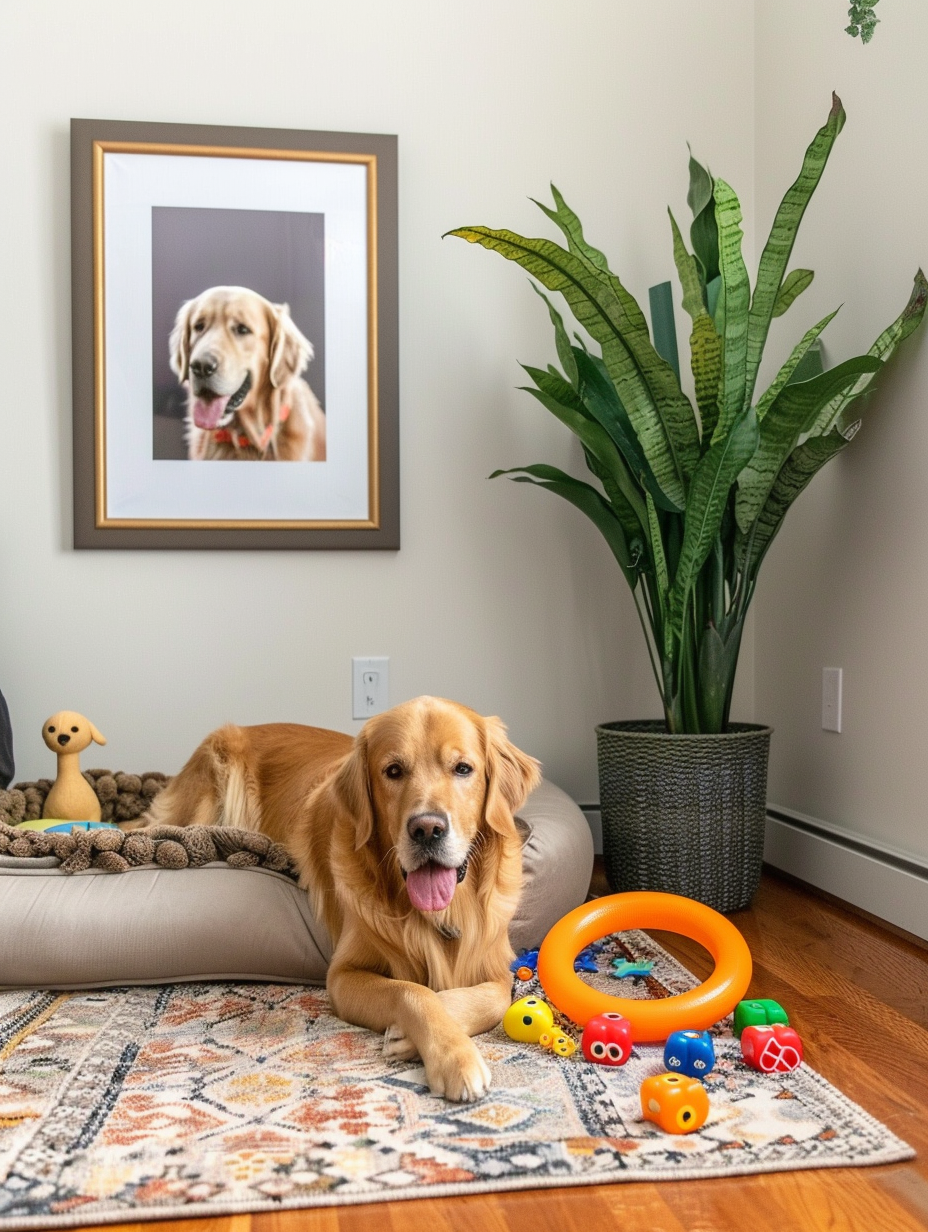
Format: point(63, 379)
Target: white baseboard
point(888, 883)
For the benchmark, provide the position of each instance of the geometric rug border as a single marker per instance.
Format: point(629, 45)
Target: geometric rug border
point(188, 1210)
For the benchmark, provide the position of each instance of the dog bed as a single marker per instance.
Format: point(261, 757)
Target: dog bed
point(227, 910)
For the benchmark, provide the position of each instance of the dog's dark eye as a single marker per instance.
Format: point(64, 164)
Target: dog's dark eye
point(51, 729)
point(394, 770)
point(74, 729)
point(463, 769)
point(240, 329)
point(199, 326)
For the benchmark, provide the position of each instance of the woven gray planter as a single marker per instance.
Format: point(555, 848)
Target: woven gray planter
point(684, 814)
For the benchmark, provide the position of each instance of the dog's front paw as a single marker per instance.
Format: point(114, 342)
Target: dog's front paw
point(397, 1047)
point(459, 1073)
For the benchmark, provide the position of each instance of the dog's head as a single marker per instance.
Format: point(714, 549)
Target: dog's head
point(229, 342)
point(69, 732)
point(430, 781)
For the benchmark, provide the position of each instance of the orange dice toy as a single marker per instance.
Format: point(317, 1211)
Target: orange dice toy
point(674, 1102)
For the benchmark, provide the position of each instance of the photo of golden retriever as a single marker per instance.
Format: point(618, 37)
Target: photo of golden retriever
point(241, 357)
point(405, 840)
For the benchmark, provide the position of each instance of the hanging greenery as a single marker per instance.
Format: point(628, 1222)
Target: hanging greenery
point(863, 22)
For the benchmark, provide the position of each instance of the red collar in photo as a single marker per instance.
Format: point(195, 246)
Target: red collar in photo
point(224, 436)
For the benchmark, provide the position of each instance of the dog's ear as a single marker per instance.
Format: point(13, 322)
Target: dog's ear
point(511, 775)
point(95, 735)
point(351, 787)
point(290, 351)
point(179, 342)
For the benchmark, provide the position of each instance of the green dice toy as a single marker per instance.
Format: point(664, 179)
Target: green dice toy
point(759, 1014)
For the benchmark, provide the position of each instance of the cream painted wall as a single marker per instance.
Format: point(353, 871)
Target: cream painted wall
point(846, 584)
point(502, 597)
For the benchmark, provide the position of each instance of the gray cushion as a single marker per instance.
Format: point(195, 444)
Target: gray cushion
point(153, 925)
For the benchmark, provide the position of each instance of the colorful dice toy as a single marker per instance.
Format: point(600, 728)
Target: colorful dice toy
point(764, 1013)
point(526, 1020)
point(607, 1039)
point(674, 1102)
point(772, 1050)
point(690, 1053)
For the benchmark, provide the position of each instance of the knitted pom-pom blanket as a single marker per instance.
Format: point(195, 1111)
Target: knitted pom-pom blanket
point(167, 846)
point(124, 797)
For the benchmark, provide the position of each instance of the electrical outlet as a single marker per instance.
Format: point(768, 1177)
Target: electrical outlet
point(831, 699)
point(370, 687)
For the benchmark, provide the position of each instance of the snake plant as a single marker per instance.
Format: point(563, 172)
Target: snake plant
point(690, 499)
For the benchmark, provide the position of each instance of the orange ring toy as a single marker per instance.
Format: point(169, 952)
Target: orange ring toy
point(652, 1021)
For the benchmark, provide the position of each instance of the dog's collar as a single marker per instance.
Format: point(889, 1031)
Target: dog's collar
point(240, 394)
point(223, 436)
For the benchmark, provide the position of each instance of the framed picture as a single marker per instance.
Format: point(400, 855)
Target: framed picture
point(234, 300)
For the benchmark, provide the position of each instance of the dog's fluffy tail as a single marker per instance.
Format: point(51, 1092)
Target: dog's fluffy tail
point(215, 788)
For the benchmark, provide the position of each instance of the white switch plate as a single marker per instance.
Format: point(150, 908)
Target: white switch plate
point(370, 686)
point(831, 699)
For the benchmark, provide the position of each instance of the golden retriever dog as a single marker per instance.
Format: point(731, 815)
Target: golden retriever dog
point(241, 357)
point(405, 840)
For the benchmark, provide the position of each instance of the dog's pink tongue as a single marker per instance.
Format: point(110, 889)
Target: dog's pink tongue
point(431, 887)
point(208, 414)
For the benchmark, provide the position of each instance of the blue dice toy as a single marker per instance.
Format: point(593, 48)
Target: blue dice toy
point(689, 1052)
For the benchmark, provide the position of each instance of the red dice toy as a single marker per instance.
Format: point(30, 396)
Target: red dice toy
point(607, 1039)
point(772, 1050)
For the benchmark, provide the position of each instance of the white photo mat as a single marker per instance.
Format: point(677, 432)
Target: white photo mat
point(138, 487)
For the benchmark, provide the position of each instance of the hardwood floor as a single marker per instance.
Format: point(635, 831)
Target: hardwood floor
point(859, 995)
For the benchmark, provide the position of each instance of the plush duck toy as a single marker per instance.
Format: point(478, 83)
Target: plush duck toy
point(71, 798)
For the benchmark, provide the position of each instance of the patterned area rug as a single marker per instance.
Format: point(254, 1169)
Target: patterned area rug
point(198, 1099)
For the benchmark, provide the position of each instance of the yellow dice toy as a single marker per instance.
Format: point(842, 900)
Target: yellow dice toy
point(527, 1019)
point(676, 1103)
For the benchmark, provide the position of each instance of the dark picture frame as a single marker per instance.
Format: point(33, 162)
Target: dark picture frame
point(112, 376)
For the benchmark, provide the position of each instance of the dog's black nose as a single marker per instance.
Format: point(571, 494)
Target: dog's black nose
point(426, 828)
point(63, 739)
point(204, 366)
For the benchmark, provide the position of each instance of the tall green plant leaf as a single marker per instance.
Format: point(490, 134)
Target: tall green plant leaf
point(704, 235)
point(667, 432)
point(737, 292)
point(715, 667)
point(794, 410)
point(588, 501)
point(612, 471)
point(563, 217)
point(663, 325)
point(601, 401)
point(907, 321)
point(705, 508)
point(661, 375)
point(775, 257)
point(561, 340)
point(786, 373)
point(794, 476)
point(705, 344)
point(661, 576)
point(793, 286)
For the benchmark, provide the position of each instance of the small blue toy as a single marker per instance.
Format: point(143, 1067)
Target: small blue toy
point(586, 959)
point(690, 1053)
point(528, 959)
point(623, 968)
